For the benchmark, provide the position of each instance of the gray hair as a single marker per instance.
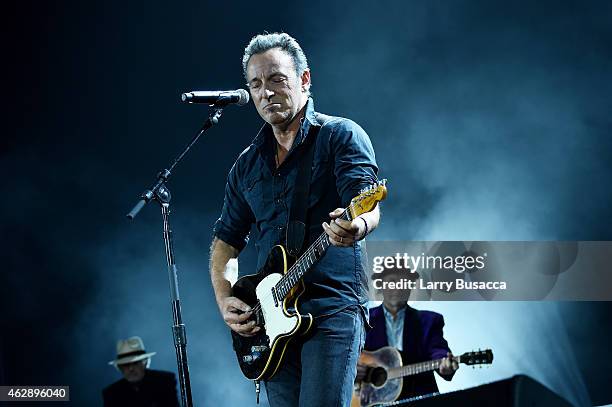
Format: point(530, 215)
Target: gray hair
point(263, 42)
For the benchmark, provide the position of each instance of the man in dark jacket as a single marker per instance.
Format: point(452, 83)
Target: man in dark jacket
point(140, 386)
point(416, 334)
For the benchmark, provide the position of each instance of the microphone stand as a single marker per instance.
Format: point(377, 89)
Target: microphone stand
point(160, 193)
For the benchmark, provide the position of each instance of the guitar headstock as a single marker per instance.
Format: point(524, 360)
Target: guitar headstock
point(481, 357)
point(368, 198)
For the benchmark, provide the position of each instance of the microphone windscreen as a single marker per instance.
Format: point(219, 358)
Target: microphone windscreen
point(244, 97)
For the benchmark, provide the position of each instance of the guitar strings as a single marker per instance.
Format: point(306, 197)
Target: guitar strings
point(291, 270)
point(346, 215)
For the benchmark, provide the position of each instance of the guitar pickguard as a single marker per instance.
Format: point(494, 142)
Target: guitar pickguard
point(259, 356)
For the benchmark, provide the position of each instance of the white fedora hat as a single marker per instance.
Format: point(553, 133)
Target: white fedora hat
point(130, 350)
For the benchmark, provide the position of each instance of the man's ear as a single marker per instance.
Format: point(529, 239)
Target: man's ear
point(306, 80)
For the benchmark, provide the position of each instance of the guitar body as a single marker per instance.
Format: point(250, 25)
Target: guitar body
point(378, 388)
point(259, 356)
point(383, 380)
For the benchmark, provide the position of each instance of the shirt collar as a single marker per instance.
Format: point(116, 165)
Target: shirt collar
point(308, 120)
point(389, 315)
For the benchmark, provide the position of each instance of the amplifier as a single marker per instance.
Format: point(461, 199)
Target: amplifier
point(517, 391)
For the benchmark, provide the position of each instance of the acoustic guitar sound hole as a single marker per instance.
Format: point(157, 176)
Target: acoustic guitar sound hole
point(378, 376)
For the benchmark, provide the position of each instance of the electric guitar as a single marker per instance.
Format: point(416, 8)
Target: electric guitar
point(273, 294)
point(383, 380)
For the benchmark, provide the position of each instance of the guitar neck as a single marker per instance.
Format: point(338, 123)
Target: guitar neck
point(305, 262)
point(416, 368)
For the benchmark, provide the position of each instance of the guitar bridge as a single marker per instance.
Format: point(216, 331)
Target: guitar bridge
point(259, 319)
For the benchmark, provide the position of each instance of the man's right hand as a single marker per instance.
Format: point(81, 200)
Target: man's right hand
point(236, 314)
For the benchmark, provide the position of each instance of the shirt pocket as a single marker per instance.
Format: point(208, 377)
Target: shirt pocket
point(320, 166)
point(253, 192)
point(320, 178)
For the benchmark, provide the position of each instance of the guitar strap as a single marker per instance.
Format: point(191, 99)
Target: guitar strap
point(296, 228)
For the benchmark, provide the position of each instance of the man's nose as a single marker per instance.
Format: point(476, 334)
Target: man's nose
point(267, 93)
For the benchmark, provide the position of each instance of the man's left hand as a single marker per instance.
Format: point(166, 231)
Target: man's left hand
point(449, 366)
point(343, 233)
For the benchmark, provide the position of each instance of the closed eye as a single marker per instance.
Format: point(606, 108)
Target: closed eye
point(278, 79)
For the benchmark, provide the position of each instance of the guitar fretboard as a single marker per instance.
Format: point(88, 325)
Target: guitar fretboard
point(305, 262)
point(417, 368)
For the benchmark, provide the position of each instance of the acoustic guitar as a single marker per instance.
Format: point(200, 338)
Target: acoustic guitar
point(383, 380)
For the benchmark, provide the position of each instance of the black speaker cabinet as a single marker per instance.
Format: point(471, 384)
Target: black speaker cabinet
point(517, 391)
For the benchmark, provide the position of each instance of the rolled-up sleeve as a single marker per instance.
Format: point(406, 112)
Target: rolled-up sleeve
point(355, 163)
point(236, 216)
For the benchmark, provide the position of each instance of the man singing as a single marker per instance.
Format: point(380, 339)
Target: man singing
point(319, 369)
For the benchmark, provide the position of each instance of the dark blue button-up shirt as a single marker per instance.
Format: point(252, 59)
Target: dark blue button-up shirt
point(259, 193)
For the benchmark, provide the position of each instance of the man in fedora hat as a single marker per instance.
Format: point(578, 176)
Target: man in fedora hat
point(416, 334)
point(140, 386)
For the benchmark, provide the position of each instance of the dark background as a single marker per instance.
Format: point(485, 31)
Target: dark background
point(490, 120)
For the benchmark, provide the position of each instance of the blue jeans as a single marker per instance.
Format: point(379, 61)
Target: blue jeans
point(319, 370)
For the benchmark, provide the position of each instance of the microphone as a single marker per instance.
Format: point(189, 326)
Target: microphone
point(217, 97)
